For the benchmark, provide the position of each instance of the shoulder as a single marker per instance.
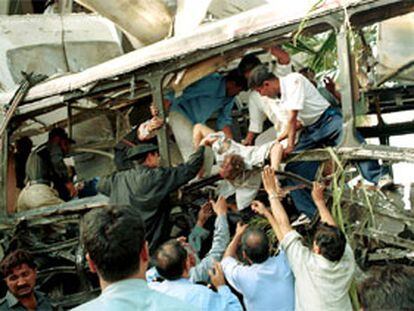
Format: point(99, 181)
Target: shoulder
point(165, 302)
point(293, 78)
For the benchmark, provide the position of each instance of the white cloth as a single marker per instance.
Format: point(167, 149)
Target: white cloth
point(265, 286)
point(245, 188)
point(320, 283)
point(262, 107)
point(266, 137)
point(298, 93)
point(182, 129)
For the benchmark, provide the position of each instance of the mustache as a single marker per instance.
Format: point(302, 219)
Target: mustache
point(22, 287)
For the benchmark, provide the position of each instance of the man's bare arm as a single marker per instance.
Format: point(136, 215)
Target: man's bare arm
point(279, 213)
point(234, 244)
point(291, 128)
point(317, 195)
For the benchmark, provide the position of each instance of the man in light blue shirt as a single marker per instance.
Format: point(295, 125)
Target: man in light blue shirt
point(199, 101)
point(173, 264)
point(267, 283)
point(114, 238)
point(221, 238)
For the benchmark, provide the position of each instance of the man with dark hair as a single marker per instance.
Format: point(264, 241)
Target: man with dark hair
point(199, 269)
point(48, 181)
point(116, 249)
point(323, 274)
point(19, 272)
point(267, 282)
point(173, 263)
point(262, 108)
point(199, 101)
point(147, 186)
point(389, 287)
point(322, 126)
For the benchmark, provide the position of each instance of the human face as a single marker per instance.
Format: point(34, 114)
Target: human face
point(153, 159)
point(21, 281)
point(64, 145)
point(268, 88)
point(232, 89)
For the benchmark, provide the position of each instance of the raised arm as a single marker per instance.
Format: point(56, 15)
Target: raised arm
point(232, 248)
point(291, 131)
point(279, 213)
point(221, 239)
point(317, 195)
point(259, 208)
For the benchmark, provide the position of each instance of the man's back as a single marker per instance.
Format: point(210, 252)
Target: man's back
point(321, 284)
point(132, 294)
point(198, 296)
point(268, 285)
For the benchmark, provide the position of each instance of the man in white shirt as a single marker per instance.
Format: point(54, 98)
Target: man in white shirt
point(267, 282)
point(324, 272)
point(262, 108)
point(322, 126)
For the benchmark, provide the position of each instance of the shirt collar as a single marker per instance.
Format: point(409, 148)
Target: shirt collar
point(126, 283)
point(12, 301)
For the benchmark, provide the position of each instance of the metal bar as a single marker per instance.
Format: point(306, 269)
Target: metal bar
point(3, 170)
point(362, 152)
point(162, 136)
point(70, 119)
point(347, 82)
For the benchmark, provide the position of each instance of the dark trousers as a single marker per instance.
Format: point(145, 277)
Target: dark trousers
point(325, 132)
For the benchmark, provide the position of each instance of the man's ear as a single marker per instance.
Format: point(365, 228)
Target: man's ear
point(246, 257)
point(316, 249)
point(91, 264)
point(144, 254)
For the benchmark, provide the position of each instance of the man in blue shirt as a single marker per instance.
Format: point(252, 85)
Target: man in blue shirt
point(173, 264)
point(197, 104)
point(267, 282)
point(114, 239)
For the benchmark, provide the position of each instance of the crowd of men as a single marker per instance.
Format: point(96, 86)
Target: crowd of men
point(128, 243)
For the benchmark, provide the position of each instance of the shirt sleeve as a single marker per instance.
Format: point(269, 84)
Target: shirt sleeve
point(294, 97)
point(295, 251)
point(282, 70)
point(197, 236)
point(221, 239)
point(230, 300)
point(234, 271)
point(224, 117)
point(143, 131)
point(256, 114)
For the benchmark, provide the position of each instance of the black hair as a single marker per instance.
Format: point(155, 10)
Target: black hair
point(248, 62)
point(170, 260)
point(259, 75)
point(388, 288)
point(255, 244)
point(235, 76)
point(15, 259)
point(331, 241)
point(114, 237)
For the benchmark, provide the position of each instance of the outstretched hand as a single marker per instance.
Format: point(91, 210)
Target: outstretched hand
point(269, 181)
point(317, 192)
point(220, 206)
point(217, 275)
point(259, 208)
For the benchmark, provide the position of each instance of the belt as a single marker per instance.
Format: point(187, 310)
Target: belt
point(39, 182)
